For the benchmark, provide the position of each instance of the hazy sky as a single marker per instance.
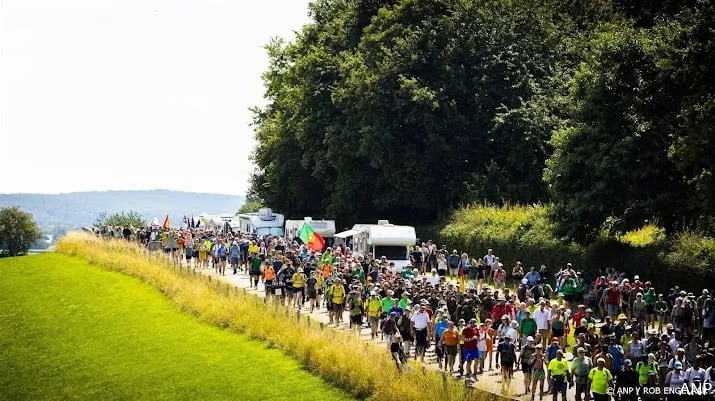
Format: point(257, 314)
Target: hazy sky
point(133, 94)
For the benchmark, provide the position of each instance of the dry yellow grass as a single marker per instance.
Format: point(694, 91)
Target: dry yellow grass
point(364, 370)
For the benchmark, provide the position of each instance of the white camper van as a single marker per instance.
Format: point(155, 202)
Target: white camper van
point(325, 228)
point(381, 239)
point(262, 222)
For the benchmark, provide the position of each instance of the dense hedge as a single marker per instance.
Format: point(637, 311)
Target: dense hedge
point(524, 232)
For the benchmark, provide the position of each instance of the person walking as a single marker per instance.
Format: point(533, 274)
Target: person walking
point(600, 379)
point(558, 375)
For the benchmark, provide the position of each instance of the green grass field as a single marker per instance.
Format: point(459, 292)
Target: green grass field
point(72, 331)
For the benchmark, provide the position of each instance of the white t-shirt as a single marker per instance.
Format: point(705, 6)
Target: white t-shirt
point(420, 320)
point(433, 280)
point(542, 318)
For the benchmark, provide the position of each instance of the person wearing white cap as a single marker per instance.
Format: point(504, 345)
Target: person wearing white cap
point(675, 378)
point(600, 379)
point(580, 368)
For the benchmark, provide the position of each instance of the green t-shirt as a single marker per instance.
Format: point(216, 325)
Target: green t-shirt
point(407, 274)
point(256, 265)
point(643, 369)
point(649, 297)
point(387, 304)
point(547, 290)
point(528, 326)
point(355, 305)
point(568, 287)
point(472, 275)
point(404, 304)
point(661, 306)
point(599, 380)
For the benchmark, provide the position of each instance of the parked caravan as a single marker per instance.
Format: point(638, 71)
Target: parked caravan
point(324, 228)
point(262, 222)
point(381, 239)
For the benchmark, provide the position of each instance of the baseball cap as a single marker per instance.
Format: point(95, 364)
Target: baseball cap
point(628, 362)
point(530, 338)
point(678, 365)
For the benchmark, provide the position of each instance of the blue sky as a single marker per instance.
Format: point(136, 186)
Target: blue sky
point(99, 95)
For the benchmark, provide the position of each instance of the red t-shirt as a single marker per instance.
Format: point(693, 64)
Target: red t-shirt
point(469, 332)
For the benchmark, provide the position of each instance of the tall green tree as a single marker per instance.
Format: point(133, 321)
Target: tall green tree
point(18, 231)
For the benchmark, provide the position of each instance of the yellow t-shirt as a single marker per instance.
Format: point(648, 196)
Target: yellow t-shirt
point(253, 248)
point(338, 294)
point(373, 307)
point(599, 380)
point(298, 280)
point(558, 368)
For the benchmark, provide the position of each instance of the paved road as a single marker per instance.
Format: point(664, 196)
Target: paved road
point(489, 381)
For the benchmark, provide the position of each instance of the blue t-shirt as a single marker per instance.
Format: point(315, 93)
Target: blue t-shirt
point(617, 353)
point(440, 328)
point(234, 251)
point(454, 260)
point(221, 251)
point(551, 351)
point(397, 310)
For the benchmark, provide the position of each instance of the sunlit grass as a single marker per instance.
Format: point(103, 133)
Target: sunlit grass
point(72, 331)
point(362, 369)
point(646, 235)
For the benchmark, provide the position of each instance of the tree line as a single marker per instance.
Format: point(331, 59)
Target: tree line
point(405, 109)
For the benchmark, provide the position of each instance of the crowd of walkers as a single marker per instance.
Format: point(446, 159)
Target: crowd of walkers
point(625, 338)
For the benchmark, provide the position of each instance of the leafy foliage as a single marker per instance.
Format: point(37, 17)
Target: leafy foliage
point(18, 231)
point(122, 219)
point(403, 109)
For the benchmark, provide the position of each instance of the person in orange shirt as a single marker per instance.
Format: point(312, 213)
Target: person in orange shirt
point(450, 339)
point(490, 342)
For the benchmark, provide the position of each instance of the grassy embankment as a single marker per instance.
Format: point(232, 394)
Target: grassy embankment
point(363, 370)
point(71, 331)
point(524, 232)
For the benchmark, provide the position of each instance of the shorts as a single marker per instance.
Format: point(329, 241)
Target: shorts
point(499, 285)
point(558, 385)
point(661, 318)
point(255, 274)
point(557, 332)
point(223, 258)
point(356, 319)
point(451, 350)
point(312, 294)
point(650, 309)
point(234, 260)
point(471, 354)
point(538, 374)
point(442, 273)
point(612, 309)
point(525, 367)
point(195, 254)
point(337, 307)
point(581, 388)
point(373, 319)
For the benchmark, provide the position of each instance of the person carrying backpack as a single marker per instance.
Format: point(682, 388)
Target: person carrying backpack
point(644, 368)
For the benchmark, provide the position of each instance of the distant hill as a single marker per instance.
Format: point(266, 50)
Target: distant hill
point(78, 209)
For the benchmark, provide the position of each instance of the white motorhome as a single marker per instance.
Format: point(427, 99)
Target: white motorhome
point(325, 228)
point(381, 239)
point(262, 222)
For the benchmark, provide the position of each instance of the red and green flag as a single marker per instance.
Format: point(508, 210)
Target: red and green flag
point(311, 239)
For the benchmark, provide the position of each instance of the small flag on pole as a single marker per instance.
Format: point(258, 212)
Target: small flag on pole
point(186, 222)
point(155, 222)
point(166, 222)
point(193, 224)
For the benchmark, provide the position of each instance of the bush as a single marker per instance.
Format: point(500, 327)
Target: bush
point(526, 233)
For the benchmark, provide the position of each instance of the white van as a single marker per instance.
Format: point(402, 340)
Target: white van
point(381, 239)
